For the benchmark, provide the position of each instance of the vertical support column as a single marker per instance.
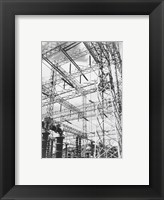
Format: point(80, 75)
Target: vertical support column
point(64, 85)
point(59, 147)
point(84, 124)
point(79, 148)
point(61, 116)
point(118, 92)
point(117, 133)
point(101, 118)
point(92, 148)
point(90, 60)
point(84, 112)
point(45, 144)
point(70, 68)
point(48, 149)
point(66, 150)
point(52, 90)
point(51, 151)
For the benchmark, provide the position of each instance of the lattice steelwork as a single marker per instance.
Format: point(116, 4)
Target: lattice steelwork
point(82, 99)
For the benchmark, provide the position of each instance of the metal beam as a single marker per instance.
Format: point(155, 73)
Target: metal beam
point(54, 50)
point(91, 52)
point(90, 112)
point(63, 102)
point(71, 95)
point(67, 77)
point(85, 70)
point(70, 129)
point(73, 62)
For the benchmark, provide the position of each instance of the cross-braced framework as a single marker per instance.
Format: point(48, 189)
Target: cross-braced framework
point(82, 99)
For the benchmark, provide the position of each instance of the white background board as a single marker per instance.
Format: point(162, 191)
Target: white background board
point(133, 168)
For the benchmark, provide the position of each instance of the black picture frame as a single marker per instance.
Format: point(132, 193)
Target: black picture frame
point(8, 10)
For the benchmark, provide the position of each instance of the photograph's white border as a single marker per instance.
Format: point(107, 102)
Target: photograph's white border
point(133, 168)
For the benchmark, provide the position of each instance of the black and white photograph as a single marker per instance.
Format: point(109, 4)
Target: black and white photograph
point(81, 99)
